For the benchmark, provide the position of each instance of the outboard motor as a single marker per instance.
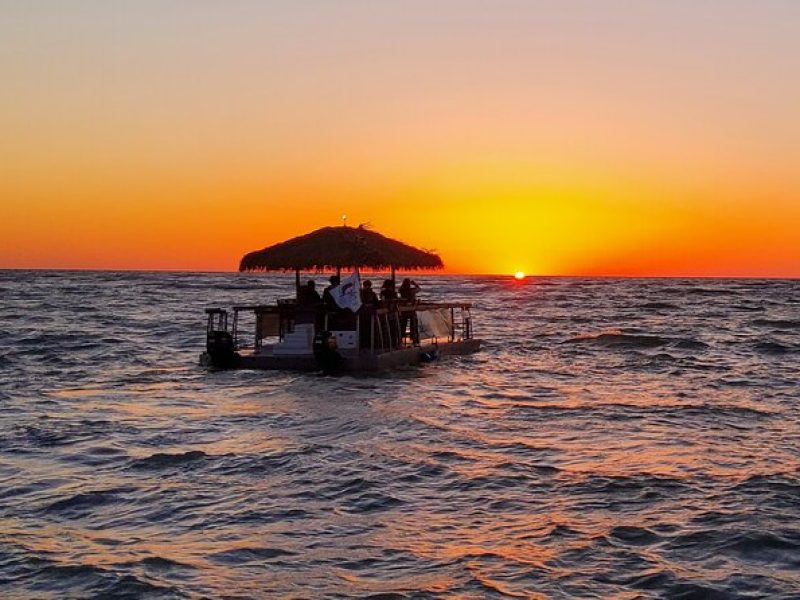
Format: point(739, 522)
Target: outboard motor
point(325, 352)
point(429, 356)
point(221, 350)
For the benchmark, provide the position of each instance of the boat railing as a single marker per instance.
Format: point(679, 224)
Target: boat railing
point(403, 326)
point(380, 329)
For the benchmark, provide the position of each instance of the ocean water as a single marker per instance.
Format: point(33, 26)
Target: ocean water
point(614, 439)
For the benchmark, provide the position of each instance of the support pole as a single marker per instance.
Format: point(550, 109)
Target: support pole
point(372, 333)
point(297, 284)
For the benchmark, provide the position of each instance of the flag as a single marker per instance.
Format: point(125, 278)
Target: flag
point(348, 293)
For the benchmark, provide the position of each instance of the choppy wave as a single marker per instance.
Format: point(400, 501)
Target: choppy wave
point(616, 438)
point(769, 347)
point(622, 340)
point(778, 323)
point(659, 306)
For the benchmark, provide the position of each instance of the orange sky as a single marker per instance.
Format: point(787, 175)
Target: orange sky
point(622, 140)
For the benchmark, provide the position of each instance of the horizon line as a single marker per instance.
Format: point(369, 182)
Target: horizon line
point(506, 275)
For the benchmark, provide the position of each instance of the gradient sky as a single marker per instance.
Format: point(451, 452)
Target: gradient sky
point(561, 137)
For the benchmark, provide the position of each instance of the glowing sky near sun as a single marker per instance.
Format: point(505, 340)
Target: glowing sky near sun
point(583, 137)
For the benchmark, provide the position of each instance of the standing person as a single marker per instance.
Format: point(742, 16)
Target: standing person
point(329, 306)
point(308, 301)
point(327, 298)
point(309, 293)
point(368, 295)
point(366, 314)
point(388, 293)
point(408, 291)
point(389, 300)
point(408, 297)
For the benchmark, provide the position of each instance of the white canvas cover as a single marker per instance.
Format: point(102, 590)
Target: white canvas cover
point(435, 323)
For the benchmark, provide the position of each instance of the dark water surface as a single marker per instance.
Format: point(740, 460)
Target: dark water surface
point(616, 439)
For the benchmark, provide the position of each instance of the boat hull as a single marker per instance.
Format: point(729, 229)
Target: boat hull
point(351, 362)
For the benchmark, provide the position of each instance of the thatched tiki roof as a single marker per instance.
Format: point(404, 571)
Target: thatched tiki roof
point(337, 247)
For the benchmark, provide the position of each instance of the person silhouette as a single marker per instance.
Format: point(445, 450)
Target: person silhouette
point(408, 291)
point(388, 293)
point(408, 298)
point(327, 297)
point(368, 295)
point(309, 293)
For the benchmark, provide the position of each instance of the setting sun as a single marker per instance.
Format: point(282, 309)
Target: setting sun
point(519, 275)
